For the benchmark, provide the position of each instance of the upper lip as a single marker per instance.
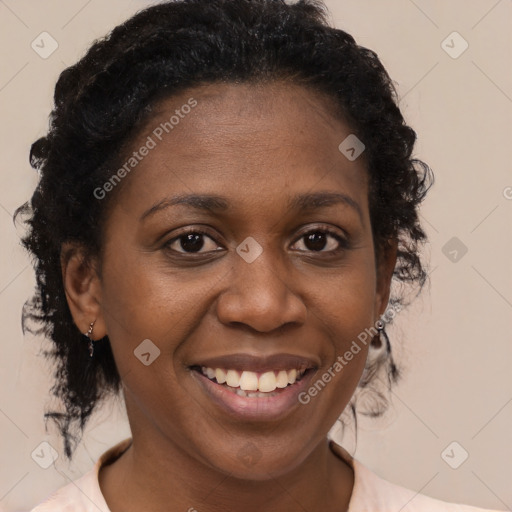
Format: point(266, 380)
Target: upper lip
point(261, 363)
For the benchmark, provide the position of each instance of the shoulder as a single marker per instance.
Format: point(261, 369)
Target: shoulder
point(84, 494)
point(373, 491)
point(374, 494)
point(79, 495)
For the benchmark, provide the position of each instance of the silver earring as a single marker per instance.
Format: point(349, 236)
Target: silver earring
point(376, 341)
point(89, 334)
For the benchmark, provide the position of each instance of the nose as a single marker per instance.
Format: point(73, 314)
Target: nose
point(261, 295)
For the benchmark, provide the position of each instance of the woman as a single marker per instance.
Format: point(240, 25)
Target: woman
point(226, 193)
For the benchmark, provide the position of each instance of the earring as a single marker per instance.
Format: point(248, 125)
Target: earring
point(376, 341)
point(89, 334)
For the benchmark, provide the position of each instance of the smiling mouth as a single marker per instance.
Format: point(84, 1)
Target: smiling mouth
point(250, 384)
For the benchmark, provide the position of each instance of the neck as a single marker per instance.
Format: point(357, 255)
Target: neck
point(158, 471)
point(141, 476)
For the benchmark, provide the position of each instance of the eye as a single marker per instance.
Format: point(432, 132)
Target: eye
point(317, 240)
point(191, 241)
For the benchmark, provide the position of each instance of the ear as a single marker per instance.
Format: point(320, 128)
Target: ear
point(385, 268)
point(82, 286)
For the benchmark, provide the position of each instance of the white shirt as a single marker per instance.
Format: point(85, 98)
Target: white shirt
point(370, 493)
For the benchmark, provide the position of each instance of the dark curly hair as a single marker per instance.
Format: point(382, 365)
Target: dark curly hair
point(102, 101)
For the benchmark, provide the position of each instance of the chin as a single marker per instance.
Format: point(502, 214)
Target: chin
point(251, 462)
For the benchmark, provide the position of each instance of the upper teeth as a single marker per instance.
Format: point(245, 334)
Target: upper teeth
point(250, 381)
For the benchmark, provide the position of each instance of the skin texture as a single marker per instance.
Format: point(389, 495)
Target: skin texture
point(257, 146)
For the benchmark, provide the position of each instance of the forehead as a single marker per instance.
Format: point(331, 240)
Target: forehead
point(253, 142)
point(297, 115)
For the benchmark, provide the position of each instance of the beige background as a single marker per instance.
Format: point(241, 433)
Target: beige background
point(455, 342)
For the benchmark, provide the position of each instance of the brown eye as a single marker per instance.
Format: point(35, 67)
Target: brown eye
point(191, 242)
point(320, 239)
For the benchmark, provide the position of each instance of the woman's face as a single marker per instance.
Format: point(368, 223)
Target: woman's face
point(272, 281)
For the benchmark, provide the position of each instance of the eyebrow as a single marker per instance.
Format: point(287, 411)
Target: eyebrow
point(213, 203)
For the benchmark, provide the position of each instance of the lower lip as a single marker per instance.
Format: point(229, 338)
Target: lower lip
point(262, 409)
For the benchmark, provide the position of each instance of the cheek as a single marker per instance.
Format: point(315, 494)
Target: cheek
point(344, 310)
point(344, 320)
point(146, 301)
point(345, 302)
point(348, 325)
point(140, 299)
point(149, 310)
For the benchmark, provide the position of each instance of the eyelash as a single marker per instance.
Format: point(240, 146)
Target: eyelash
point(343, 243)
